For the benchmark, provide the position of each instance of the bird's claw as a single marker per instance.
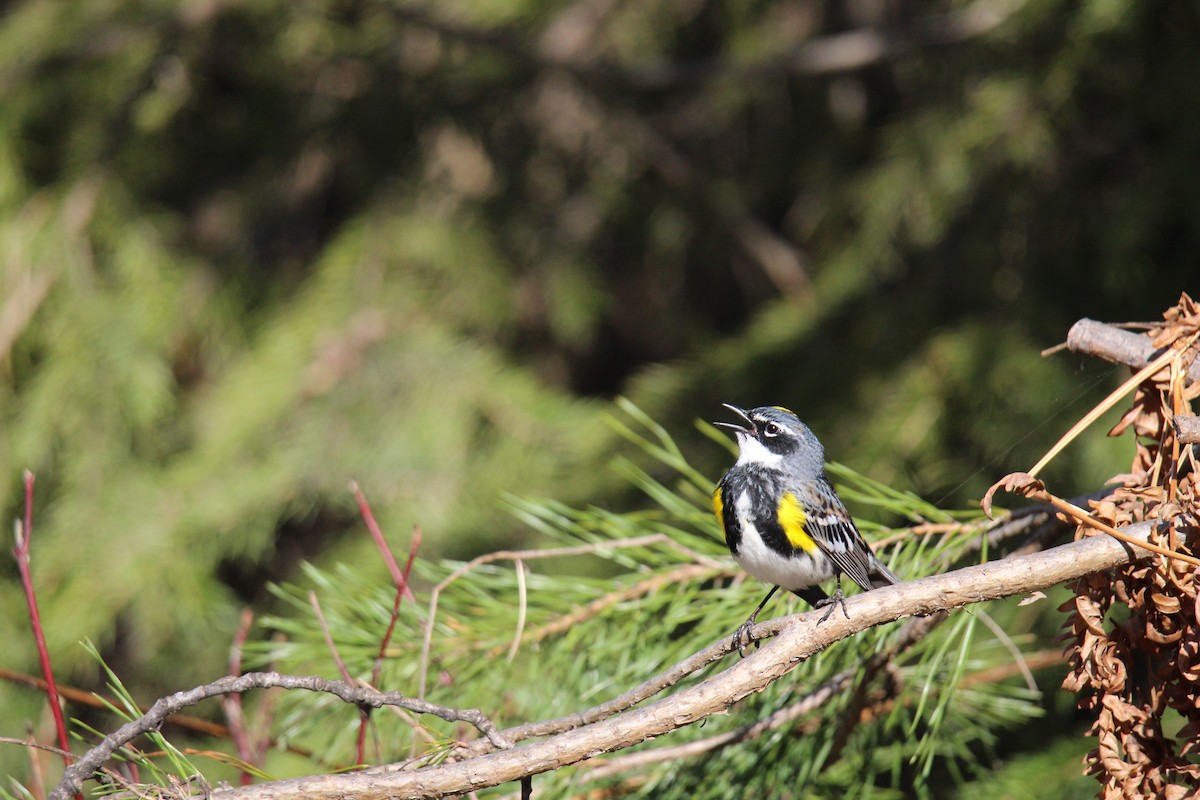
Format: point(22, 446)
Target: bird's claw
point(741, 637)
point(838, 599)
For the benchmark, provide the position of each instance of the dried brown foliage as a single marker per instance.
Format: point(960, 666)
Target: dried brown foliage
point(1134, 639)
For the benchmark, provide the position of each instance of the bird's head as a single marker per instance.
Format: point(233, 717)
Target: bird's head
point(774, 437)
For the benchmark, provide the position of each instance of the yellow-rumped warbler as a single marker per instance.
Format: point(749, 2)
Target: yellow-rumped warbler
point(782, 518)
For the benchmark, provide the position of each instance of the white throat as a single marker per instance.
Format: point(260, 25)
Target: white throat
point(753, 452)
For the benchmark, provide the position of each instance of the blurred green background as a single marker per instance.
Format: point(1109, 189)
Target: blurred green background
point(250, 251)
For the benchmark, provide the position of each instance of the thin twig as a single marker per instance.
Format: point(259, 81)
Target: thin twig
point(402, 590)
point(37, 767)
point(36, 746)
point(1025, 484)
point(364, 712)
point(1082, 516)
point(97, 701)
point(928, 529)
point(343, 670)
point(400, 580)
point(399, 577)
point(90, 762)
point(1039, 660)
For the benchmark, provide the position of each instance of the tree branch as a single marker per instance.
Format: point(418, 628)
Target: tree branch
point(800, 637)
point(1187, 428)
point(1118, 346)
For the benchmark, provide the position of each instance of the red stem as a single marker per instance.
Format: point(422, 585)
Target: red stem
point(401, 590)
point(398, 577)
point(21, 552)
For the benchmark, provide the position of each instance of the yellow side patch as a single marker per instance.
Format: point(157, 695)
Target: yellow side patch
point(719, 509)
point(792, 518)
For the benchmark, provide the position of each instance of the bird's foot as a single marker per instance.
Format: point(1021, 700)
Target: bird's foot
point(741, 637)
point(837, 599)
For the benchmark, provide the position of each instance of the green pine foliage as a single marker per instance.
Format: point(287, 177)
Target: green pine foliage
point(500, 647)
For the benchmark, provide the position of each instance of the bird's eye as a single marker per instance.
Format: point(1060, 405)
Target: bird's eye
point(771, 429)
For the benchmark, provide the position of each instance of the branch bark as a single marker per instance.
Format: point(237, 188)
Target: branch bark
point(1118, 346)
point(1187, 428)
point(800, 637)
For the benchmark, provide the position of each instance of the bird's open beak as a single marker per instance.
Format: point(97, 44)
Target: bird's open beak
point(733, 426)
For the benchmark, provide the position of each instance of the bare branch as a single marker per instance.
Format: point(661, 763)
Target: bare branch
point(88, 764)
point(1118, 346)
point(599, 769)
point(98, 701)
point(1187, 429)
point(808, 704)
point(36, 746)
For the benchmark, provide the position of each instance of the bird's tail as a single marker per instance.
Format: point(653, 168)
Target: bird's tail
point(880, 575)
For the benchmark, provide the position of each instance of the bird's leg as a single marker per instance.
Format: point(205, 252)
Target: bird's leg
point(838, 599)
point(741, 637)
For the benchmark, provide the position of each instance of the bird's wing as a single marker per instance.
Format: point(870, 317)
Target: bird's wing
point(831, 526)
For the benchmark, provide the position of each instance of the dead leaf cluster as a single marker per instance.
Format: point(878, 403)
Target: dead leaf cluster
point(1133, 632)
